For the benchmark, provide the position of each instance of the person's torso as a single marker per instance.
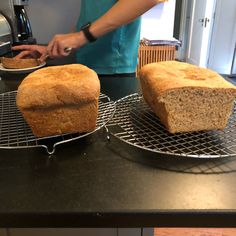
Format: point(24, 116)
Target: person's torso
point(115, 52)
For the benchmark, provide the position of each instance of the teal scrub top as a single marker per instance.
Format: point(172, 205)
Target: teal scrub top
point(115, 52)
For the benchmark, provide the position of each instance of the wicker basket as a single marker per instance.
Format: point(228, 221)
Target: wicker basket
point(149, 54)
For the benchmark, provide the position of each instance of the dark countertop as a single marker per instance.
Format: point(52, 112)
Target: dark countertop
point(92, 182)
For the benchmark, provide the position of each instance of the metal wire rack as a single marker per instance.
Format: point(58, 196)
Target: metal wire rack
point(15, 132)
point(135, 124)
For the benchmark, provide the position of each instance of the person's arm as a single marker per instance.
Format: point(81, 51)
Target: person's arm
point(123, 12)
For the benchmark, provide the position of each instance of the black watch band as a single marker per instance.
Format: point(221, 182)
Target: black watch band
point(87, 33)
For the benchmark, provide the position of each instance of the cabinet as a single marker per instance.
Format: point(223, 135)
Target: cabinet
point(78, 232)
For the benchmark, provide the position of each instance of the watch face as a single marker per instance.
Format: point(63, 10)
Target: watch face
point(85, 26)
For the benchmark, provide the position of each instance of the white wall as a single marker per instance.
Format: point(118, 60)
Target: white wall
point(158, 23)
point(50, 17)
point(57, 16)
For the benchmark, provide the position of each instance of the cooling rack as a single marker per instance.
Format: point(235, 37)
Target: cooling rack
point(15, 132)
point(135, 124)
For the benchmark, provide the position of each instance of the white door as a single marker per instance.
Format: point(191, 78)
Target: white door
point(222, 56)
point(202, 15)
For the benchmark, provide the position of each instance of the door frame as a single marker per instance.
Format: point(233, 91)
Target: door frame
point(233, 64)
point(185, 29)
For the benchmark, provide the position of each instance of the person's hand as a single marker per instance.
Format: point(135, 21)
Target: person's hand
point(59, 45)
point(31, 51)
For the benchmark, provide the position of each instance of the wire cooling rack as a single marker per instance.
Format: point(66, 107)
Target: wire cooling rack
point(15, 132)
point(135, 124)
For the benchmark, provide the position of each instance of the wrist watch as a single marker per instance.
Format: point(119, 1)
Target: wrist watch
point(87, 33)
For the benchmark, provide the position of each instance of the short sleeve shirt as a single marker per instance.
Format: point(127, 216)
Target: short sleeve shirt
point(115, 52)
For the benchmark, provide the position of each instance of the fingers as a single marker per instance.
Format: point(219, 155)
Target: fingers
point(52, 48)
point(43, 57)
point(23, 47)
point(61, 50)
point(34, 51)
point(58, 47)
point(55, 50)
point(23, 54)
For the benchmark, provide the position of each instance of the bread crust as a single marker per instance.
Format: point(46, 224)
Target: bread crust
point(15, 63)
point(185, 97)
point(59, 100)
point(171, 75)
point(58, 86)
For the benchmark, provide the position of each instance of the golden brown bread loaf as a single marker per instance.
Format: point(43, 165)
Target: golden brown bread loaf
point(14, 63)
point(60, 99)
point(187, 98)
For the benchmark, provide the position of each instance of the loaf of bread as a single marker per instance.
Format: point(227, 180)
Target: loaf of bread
point(15, 63)
point(187, 98)
point(60, 100)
